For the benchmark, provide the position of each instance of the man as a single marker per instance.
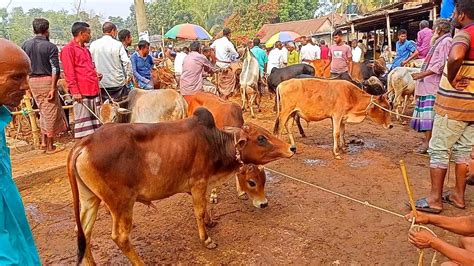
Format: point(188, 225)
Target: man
point(111, 60)
point(125, 37)
point(447, 9)
point(309, 52)
point(275, 57)
point(82, 80)
point(356, 52)
point(17, 246)
point(284, 51)
point(178, 62)
point(324, 50)
point(423, 40)
point(453, 126)
point(170, 56)
point(43, 81)
point(261, 56)
point(428, 81)
point(340, 58)
point(225, 54)
point(363, 48)
point(464, 226)
point(142, 64)
point(404, 49)
point(195, 66)
point(293, 55)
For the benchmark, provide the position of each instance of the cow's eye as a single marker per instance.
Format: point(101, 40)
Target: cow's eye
point(261, 139)
point(251, 183)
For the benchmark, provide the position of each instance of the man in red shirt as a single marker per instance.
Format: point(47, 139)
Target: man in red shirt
point(82, 80)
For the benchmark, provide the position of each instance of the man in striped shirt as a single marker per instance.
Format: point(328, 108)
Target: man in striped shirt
point(453, 127)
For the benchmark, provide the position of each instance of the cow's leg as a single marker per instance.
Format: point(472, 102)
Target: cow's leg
point(251, 103)
point(198, 192)
point(298, 124)
point(336, 126)
point(121, 226)
point(342, 130)
point(404, 105)
point(240, 194)
point(290, 130)
point(243, 95)
point(89, 206)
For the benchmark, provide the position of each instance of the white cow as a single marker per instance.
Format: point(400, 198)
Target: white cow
point(401, 86)
point(249, 78)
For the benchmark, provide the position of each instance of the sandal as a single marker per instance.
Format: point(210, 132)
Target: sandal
point(446, 198)
point(423, 205)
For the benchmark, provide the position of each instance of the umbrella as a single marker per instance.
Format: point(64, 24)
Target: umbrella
point(188, 31)
point(282, 36)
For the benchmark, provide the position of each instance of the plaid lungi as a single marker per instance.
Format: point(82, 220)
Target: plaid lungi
point(424, 109)
point(85, 122)
point(52, 119)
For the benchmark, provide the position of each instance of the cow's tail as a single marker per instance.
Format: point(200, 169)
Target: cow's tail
point(73, 175)
point(276, 128)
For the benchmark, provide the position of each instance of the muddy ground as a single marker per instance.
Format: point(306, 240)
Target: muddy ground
point(302, 225)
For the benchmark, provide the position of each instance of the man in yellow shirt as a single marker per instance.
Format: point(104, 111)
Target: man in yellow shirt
point(293, 55)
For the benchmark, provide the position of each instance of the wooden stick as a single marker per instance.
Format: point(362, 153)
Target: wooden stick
point(408, 187)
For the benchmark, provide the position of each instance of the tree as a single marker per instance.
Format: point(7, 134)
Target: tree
point(118, 21)
point(290, 10)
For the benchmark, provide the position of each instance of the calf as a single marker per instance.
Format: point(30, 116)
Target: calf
point(318, 99)
point(401, 86)
point(249, 82)
point(155, 161)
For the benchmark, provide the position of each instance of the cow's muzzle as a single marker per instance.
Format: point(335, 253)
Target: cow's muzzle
point(261, 204)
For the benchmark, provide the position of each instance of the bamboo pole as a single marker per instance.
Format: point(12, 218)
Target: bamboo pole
point(389, 39)
point(32, 116)
point(37, 110)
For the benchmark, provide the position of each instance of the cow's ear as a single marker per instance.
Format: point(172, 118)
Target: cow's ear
point(241, 143)
point(123, 111)
point(261, 168)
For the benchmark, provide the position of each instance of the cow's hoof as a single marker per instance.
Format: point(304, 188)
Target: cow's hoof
point(210, 244)
point(213, 200)
point(211, 224)
point(243, 196)
point(338, 157)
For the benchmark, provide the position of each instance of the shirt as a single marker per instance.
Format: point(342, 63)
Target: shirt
point(340, 56)
point(261, 56)
point(111, 60)
point(194, 67)
point(285, 55)
point(430, 84)
point(79, 70)
point(356, 54)
point(404, 50)
point(275, 59)
point(423, 42)
point(447, 9)
point(324, 52)
point(459, 105)
point(16, 241)
point(141, 67)
point(178, 62)
point(225, 52)
point(293, 58)
point(43, 56)
point(310, 52)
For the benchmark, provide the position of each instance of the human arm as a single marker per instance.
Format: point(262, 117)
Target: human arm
point(462, 225)
point(265, 60)
point(67, 58)
point(458, 52)
point(414, 52)
point(126, 63)
point(54, 60)
point(137, 75)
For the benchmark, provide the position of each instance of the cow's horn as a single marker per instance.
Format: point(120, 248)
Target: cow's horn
point(123, 111)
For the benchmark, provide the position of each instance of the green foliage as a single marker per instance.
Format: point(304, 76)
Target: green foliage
point(291, 10)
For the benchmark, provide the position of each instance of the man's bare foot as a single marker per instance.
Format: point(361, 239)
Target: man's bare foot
point(55, 150)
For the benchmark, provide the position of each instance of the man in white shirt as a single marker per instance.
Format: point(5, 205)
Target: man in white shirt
point(225, 54)
point(178, 62)
point(285, 55)
point(356, 52)
point(275, 57)
point(309, 52)
point(111, 60)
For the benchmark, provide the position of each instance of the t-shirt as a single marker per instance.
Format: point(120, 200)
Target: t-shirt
point(261, 56)
point(340, 54)
point(447, 8)
point(356, 54)
point(404, 50)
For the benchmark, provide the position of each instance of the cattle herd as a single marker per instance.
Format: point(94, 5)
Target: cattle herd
point(176, 146)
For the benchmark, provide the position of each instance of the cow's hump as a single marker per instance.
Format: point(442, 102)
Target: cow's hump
point(204, 117)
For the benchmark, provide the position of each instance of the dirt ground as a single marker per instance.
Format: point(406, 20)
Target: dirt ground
point(302, 225)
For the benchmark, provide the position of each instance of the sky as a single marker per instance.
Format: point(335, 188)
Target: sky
point(103, 7)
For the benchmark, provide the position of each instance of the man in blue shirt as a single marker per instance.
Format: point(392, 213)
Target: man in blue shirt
point(404, 49)
point(142, 64)
point(447, 9)
point(17, 246)
point(261, 56)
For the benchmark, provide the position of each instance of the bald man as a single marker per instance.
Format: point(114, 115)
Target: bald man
point(17, 245)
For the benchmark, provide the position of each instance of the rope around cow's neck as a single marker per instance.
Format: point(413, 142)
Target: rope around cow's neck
point(392, 112)
point(365, 203)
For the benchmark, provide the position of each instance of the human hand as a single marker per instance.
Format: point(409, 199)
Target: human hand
point(416, 76)
point(50, 96)
point(460, 83)
point(421, 218)
point(100, 76)
point(421, 239)
point(77, 98)
point(404, 63)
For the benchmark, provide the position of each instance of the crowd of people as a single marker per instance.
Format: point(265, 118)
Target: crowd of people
point(444, 110)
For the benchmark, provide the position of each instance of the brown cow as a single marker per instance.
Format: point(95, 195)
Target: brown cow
point(155, 161)
point(322, 68)
point(318, 99)
point(163, 78)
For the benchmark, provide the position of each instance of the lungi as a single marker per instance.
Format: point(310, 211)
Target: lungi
point(208, 86)
point(85, 122)
point(424, 109)
point(226, 82)
point(52, 118)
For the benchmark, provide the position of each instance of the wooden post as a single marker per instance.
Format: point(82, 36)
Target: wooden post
point(140, 13)
point(434, 13)
point(352, 31)
point(389, 39)
point(32, 116)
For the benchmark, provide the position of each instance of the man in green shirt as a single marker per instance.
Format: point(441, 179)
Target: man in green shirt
point(293, 55)
point(261, 56)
